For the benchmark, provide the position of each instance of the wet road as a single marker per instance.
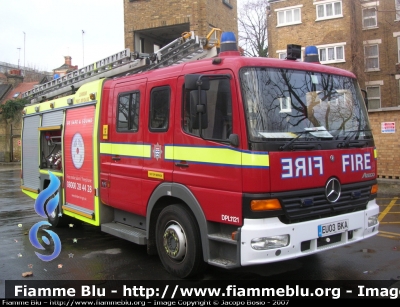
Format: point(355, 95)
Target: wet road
point(89, 254)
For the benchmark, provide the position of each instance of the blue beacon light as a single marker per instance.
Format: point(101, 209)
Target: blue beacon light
point(311, 54)
point(228, 42)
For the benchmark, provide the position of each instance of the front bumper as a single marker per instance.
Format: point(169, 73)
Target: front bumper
point(304, 239)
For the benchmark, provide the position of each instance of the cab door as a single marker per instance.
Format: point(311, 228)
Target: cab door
point(206, 162)
point(158, 134)
point(126, 146)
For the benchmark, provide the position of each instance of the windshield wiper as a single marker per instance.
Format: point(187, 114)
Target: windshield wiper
point(282, 148)
point(348, 138)
point(308, 146)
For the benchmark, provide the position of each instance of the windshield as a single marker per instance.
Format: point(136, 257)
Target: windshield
point(282, 104)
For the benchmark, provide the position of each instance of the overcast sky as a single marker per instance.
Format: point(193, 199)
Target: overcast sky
point(53, 29)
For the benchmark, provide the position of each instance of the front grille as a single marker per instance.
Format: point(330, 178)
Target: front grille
point(354, 197)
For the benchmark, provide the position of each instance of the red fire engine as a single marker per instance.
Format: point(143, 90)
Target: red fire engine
point(222, 159)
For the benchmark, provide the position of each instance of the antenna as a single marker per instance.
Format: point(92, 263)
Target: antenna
point(24, 53)
point(83, 51)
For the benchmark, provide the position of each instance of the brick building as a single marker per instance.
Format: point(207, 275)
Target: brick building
point(150, 25)
point(362, 36)
point(11, 87)
point(66, 68)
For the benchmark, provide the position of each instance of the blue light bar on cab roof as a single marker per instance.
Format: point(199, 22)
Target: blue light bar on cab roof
point(228, 42)
point(311, 54)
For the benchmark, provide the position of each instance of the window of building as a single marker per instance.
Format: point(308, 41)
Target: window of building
point(282, 55)
point(371, 53)
point(369, 17)
point(374, 97)
point(289, 16)
point(128, 112)
point(398, 49)
point(397, 3)
point(159, 109)
point(331, 53)
point(329, 10)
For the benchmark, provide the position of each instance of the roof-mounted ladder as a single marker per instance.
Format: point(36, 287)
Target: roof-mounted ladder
point(186, 48)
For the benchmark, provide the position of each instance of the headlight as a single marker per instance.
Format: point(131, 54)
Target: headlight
point(372, 220)
point(272, 242)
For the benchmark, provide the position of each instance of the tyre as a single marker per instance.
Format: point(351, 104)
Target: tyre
point(178, 242)
point(58, 221)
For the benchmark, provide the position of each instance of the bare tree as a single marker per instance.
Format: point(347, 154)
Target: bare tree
point(253, 36)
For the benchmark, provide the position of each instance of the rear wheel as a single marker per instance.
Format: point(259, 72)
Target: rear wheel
point(178, 242)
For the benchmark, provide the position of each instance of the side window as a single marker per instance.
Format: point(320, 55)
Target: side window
point(371, 53)
point(159, 109)
point(329, 10)
point(374, 97)
point(331, 53)
point(128, 112)
point(289, 16)
point(219, 111)
point(369, 15)
point(397, 4)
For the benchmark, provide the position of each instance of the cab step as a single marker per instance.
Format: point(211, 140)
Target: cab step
point(223, 263)
point(126, 232)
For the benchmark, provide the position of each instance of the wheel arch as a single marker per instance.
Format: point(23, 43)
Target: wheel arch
point(170, 193)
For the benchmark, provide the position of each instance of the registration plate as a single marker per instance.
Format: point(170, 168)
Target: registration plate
point(332, 228)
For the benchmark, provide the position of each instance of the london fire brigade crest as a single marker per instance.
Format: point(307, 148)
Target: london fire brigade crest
point(157, 151)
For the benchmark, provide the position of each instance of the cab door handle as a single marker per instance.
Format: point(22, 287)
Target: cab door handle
point(182, 164)
point(116, 158)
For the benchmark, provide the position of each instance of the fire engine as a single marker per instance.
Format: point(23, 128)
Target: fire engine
point(206, 156)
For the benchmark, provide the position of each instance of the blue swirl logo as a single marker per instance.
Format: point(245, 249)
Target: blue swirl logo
point(47, 201)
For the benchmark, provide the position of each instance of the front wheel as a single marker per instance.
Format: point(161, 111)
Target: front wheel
point(56, 220)
point(178, 242)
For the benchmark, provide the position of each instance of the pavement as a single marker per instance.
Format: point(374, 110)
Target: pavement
point(386, 188)
point(6, 166)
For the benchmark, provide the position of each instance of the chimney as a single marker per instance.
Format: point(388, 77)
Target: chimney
point(14, 77)
point(68, 60)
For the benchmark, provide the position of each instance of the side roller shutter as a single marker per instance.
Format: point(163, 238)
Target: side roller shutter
point(30, 152)
point(52, 119)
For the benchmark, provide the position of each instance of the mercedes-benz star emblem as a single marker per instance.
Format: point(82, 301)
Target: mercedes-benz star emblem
point(332, 190)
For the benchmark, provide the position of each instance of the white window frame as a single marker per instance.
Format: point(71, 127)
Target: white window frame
point(378, 85)
point(396, 35)
point(398, 49)
point(367, 45)
point(285, 12)
point(326, 4)
point(397, 5)
point(282, 54)
point(328, 49)
point(375, 18)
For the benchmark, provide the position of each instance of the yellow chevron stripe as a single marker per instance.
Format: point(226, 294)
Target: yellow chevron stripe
point(130, 150)
point(216, 156)
point(251, 159)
